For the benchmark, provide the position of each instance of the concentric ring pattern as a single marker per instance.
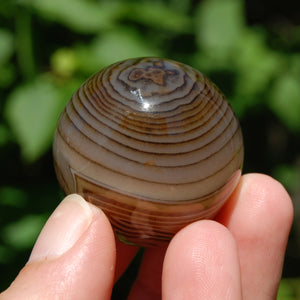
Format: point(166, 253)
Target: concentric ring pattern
point(152, 142)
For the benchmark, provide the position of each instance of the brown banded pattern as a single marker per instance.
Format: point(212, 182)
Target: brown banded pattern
point(153, 143)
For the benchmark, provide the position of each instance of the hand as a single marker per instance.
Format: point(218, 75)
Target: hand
point(238, 256)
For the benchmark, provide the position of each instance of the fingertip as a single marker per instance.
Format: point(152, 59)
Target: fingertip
point(258, 199)
point(202, 263)
point(268, 194)
point(63, 228)
point(259, 215)
point(81, 261)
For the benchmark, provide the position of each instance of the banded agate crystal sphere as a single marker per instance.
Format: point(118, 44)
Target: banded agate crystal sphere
point(153, 143)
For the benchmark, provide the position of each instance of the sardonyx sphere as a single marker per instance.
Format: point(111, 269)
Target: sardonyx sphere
point(153, 143)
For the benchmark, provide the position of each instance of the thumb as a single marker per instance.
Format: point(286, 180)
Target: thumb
point(73, 257)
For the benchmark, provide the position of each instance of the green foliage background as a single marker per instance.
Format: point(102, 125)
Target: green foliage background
point(48, 48)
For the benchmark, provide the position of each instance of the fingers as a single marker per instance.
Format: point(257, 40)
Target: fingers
point(202, 263)
point(205, 260)
point(73, 258)
point(259, 215)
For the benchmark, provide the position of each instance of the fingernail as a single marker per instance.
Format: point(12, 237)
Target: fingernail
point(63, 229)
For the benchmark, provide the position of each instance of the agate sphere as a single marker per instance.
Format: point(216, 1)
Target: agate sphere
point(153, 143)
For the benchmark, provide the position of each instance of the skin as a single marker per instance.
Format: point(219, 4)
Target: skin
point(239, 255)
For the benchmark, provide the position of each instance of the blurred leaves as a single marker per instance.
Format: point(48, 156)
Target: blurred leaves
point(219, 26)
point(288, 175)
point(160, 16)
point(48, 48)
point(227, 44)
point(23, 233)
point(92, 16)
point(32, 111)
point(4, 135)
point(6, 45)
point(117, 30)
point(81, 16)
point(13, 197)
point(7, 48)
point(257, 65)
point(285, 100)
point(64, 62)
point(289, 289)
point(112, 46)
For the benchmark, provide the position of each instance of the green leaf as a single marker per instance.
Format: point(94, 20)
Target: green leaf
point(256, 63)
point(219, 24)
point(7, 74)
point(7, 48)
point(6, 255)
point(289, 176)
point(23, 233)
point(255, 67)
point(159, 15)
point(4, 135)
point(289, 289)
point(11, 196)
point(91, 17)
point(182, 6)
point(32, 111)
point(79, 15)
point(64, 62)
point(6, 45)
point(113, 46)
point(285, 100)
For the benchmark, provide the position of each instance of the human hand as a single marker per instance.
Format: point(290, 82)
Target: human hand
point(237, 256)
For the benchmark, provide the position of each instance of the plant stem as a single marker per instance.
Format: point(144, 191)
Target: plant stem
point(24, 47)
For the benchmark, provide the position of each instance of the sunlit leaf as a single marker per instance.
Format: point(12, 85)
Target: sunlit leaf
point(159, 15)
point(257, 63)
point(114, 46)
point(7, 48)
point(6, 45)
point(64, 62)
point(285, 100)
point(22, 234)
point(255, 67)
point(32, 111)
point(289, 289)
point(80, 15)
point(180, 5)
point(219, 25)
